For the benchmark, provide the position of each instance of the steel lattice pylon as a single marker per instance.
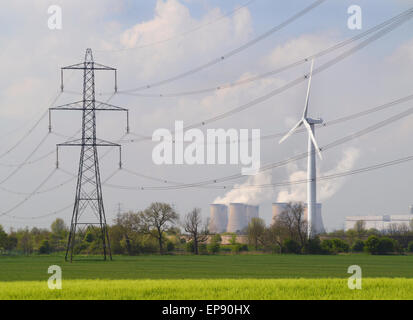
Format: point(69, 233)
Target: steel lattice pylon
point(88, 196)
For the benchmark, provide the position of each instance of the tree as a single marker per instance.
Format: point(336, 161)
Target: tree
point(360, 228)
point(215, 244)
point(3, 239)
point(386, 245)
point(410, 247)
point(198, 232)
point(372, 244)
point(358, 246)
point(293, 222)
point(314, 246)
point(292, 246)
point(59, 228)
point(25, 241)
point(129, 227)
point(256, 229)
point(44, 247)
point(156, 220)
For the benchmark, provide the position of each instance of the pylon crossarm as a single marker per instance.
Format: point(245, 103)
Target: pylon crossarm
point(81, 66)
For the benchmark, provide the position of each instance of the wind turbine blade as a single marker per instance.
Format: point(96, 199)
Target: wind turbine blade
point(310, 132)
point(307, 99)
point(299, 123)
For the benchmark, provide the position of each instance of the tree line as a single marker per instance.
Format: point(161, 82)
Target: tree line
point(159, 229)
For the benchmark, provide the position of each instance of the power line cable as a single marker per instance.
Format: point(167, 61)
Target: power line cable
point(336, 121)
point(199, 27)
point(297, 81)
point(291, 159)
point(36, 192)
point(272, 72)
point(48, 177)
point(233, 52)
point(301, 181)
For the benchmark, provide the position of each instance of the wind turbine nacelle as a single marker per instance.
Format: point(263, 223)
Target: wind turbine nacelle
point(314, 121)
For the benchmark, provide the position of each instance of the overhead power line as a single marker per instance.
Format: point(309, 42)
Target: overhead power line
point(336, 175)
point(233, 52)
point(36, 191)
point(272, 72)
point(48, 177)
point(274, 165)
point(329, 123)
point(396, 23)
point(181, 35)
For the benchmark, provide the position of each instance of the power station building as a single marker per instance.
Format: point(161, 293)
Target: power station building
point(380, 223)
point(234, 218)
point(237, 216)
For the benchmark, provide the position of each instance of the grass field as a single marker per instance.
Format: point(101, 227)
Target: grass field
point(209, 277)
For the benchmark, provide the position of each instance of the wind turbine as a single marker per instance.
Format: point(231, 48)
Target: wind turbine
point(309, 123)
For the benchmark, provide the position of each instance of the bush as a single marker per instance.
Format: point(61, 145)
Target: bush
point(410, 247)
point(202, 248)
point(313, 246)
point(44, 247)
point(327, 246)
point(170, 246)
point(376, 245)
point(340, 245)
point(236, 248)
point(358, 246)
point(233, 239)
point(386, 245)
point(190, 247)
point(213, 247)
point(216, 239)
point(291, 246)
point(372, 244)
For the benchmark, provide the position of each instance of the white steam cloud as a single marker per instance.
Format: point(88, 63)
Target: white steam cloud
point(252, 196)
point(325, 189)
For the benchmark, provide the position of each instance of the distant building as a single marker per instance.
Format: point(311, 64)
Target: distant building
point(234, 218)
point(380, 223)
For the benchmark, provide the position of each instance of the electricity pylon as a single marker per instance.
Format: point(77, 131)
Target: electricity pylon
point(89, 198)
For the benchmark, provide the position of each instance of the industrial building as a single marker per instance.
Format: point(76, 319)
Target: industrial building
point(318, 225)
point(237, 216)
point(234, 218)
point(380, 223)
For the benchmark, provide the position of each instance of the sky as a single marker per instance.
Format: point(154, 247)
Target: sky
point(148, 41)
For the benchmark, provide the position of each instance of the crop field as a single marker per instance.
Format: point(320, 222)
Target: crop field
point(208, 277)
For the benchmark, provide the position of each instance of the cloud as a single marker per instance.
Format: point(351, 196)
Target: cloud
point(327, 188)
point(244, 194)
point(299, 48)
point(172, 20)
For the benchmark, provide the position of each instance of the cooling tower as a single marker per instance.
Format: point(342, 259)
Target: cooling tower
point(237, 219)
point(277, 209)
point(411, 209)
point(252, 212)
point(219, 218)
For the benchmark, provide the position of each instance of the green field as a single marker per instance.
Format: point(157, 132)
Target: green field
point(209, 277)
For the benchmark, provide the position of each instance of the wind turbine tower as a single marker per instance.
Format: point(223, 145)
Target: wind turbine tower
point(309, 123)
